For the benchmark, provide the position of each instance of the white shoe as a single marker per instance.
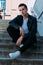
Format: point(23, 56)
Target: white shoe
point(15, 54)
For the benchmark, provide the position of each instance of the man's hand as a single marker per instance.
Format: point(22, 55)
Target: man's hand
point(21, 31)
point(19, 40)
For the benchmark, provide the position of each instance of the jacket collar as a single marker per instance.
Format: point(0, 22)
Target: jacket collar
point(29, 19)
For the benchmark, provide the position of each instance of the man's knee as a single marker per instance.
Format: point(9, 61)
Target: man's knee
point(8, 28)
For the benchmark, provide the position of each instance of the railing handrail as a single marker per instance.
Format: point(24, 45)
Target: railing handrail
point(40, 15)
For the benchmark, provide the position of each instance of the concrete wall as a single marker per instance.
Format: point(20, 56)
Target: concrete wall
point(12, 8)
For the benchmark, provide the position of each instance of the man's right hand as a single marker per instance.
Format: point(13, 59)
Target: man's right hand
point(19, 40)
point(21, 31)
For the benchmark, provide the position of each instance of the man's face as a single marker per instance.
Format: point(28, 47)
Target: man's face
point(22, 10)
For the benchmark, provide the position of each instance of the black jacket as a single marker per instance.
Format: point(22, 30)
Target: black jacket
point(32, 25)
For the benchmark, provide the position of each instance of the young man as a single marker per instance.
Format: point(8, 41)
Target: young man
point(22, 29)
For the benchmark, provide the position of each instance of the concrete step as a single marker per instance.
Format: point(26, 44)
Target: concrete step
point(4, 34)
point(1, 21)
point(9, 45)
point(7, 50)
point(30, 57)
point(26, 53)
point(13, 49)
point(7, 42)
point(13, 46)
point(21, 61)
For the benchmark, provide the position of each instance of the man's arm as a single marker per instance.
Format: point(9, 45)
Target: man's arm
point(14, 23)
point(19, 40)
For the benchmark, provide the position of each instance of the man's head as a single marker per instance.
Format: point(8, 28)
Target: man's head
point(23, 9)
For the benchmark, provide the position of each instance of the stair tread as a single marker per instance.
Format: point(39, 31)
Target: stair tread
point(2, 44)
point(27, 52)
point(21, 59)
point(13, 44)
point(6, 38)
point(7, 44)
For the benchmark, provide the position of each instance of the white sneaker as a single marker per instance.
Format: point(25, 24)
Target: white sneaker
point(15, 54)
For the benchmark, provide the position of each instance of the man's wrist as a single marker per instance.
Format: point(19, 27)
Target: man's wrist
point(22, 36)
point(20, 29)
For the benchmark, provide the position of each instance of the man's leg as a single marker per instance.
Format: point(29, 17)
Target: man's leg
point(27, 44)
point(13, 32)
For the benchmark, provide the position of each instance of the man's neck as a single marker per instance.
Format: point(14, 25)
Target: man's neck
point(25, 16)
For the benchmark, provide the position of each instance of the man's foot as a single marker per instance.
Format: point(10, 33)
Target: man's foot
point(15, 54)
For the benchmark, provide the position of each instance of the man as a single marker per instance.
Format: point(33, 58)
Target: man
point(22, 29)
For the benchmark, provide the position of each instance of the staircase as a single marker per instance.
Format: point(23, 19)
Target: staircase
point(30, 57)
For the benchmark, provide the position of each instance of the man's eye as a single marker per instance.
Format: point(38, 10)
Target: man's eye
point(22, 9)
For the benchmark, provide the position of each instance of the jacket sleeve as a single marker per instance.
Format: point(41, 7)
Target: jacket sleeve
point(33, 29)
point(14, 23)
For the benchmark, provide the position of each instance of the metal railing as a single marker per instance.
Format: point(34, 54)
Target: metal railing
point(40, 15)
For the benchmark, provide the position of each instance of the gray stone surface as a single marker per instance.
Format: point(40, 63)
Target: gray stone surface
point(29, 57)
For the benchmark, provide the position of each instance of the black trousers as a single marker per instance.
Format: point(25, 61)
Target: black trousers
point(15, 34)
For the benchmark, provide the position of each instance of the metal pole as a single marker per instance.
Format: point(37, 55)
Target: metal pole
point(4, 14)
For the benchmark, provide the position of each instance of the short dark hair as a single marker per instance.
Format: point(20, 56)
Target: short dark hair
point(22, 4)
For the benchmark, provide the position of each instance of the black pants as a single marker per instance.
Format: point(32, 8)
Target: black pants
point(15, 34)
